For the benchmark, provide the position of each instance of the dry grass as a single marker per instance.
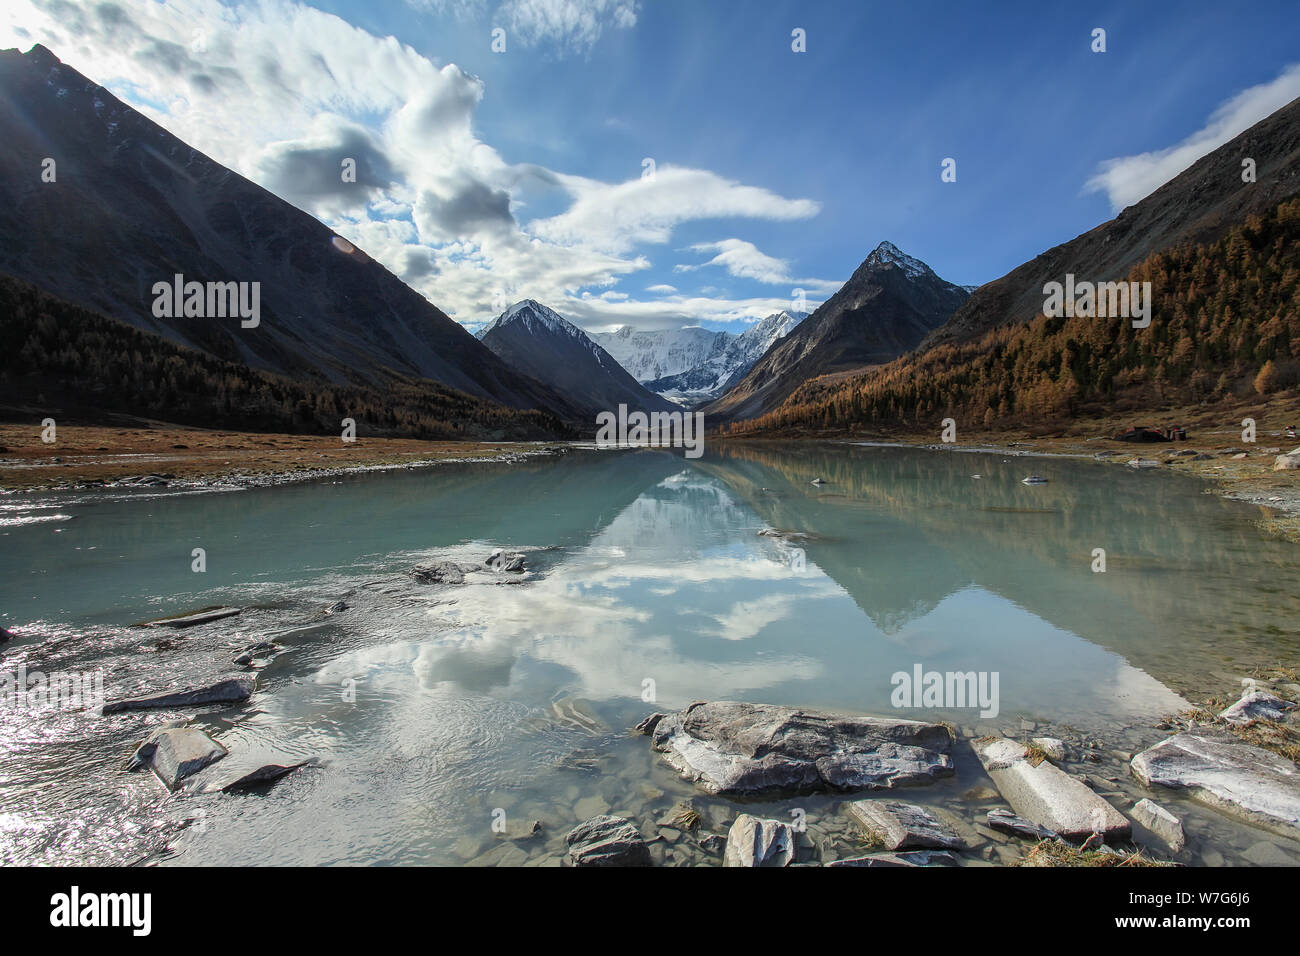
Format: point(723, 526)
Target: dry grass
point(1281, 739)
point(97, 453)
point(1035, 755)
point(1056, 853)
point(1277, 737)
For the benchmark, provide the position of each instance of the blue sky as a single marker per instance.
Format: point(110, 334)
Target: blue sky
point(492, 176)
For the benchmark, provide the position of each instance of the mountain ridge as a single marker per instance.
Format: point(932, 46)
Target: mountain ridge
point(541, 343)
point(143, 206)
point(889, 304)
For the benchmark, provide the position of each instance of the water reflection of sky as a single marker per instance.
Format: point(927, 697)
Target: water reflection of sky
point(679, 590)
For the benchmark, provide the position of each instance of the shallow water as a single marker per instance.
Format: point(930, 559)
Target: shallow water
point(433, 708)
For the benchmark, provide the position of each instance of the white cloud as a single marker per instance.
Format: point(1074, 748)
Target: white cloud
point(571, 25)
point(616, 217)
point(1127, 179)
point(281, 93)
point(743, 260)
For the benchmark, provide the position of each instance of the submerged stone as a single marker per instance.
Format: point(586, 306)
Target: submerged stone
point(910, 858)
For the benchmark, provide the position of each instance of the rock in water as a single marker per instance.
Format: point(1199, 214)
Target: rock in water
point(683, 816)
point(263, 776)
point(910, 858)
point(1160, 822)
point(201, 617)
point(1007, 822)
point(607, 841)
point(253, 651)
point(754, 842)
point(226, 692)
point(5, 636)
point(577, 712)
point(443, 572)
point(505, 561)
point(1047, 795)
point(737, 748)
point(174, 753)
point(1257, 705)
point(1228, 774)
point(904, 826)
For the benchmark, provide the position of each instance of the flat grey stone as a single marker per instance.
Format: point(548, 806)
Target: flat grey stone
point(607, 841)
point(1227, 774)
point(441, 572)
point(754, 842)
point(738, 748)
point(225, 692)
point(912, 858)
point(904, 826)
point(1047, 795)
point(201, 617)
point(1005, 821)
point(1160, 822)
point(174, 753)
point(1257, 705)
point(1264, 853)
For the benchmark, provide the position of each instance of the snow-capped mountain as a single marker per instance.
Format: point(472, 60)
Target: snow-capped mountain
point(723, 369)
point(888, 254)
point(652, 355)
point(890, 303)
point(541, 343)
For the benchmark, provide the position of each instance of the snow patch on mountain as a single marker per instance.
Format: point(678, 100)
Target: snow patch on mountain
point(889, 254)
point(692, 364)
point(652, 355)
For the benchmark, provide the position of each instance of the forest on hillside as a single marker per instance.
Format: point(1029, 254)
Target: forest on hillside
point(56, 357)
point(1225, 323)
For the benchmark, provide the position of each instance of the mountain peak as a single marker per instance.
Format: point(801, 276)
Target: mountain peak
point(889, 254)
point(530, 312)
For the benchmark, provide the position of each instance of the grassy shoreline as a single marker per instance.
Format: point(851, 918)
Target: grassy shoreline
point(93, 454)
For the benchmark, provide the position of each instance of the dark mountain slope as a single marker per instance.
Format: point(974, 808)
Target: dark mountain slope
point(132, 205)
point(543, 344)
point(886, 308)
point(61, 360)
point(1197, 206)
point(1225, 327)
